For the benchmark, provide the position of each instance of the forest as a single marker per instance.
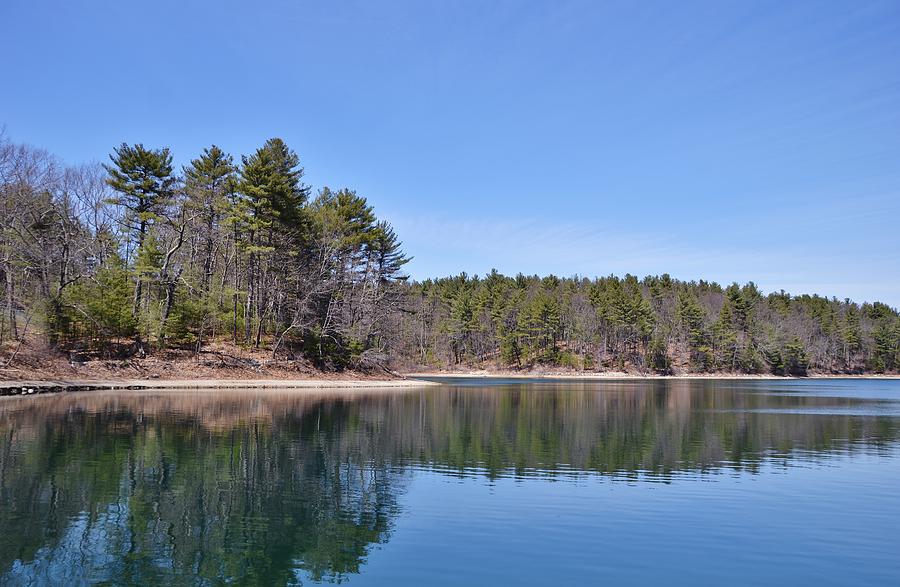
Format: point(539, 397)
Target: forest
point(134, 257)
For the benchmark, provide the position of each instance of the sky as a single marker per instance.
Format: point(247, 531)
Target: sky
point(722, 140)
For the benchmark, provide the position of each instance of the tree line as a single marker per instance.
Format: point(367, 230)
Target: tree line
point(132, 256)
point(655, 324)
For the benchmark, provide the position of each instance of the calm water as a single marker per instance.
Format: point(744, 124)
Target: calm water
point(473, 482)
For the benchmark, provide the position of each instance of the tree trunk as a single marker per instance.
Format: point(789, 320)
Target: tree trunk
point(234, 300)
point(10, 307)
point(167, 310)
point(248, 307)
point(139, 282)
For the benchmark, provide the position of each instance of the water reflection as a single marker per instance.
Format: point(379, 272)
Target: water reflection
point(281, 487)
point(148, 489)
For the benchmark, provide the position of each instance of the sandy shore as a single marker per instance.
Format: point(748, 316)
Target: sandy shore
point(32, 387)
point(625, 375)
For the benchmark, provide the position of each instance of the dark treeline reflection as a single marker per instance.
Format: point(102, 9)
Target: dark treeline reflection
point(272, 488)
point(150, 489)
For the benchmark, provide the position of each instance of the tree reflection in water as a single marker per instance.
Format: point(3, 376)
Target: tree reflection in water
point(276, 487)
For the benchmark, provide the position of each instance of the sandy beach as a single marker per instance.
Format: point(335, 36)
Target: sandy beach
point(34, 387)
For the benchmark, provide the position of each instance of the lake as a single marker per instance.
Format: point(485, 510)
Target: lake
point(478, 482)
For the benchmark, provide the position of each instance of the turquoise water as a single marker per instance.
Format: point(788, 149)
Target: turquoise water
point(473, 482)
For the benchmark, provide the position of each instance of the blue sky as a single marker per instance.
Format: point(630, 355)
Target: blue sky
point(728, 141)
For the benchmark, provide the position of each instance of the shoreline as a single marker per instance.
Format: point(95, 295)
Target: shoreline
point(19, 388)
point(32, 387)
point(613, 375)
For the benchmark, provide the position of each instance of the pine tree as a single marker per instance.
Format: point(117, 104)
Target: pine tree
point(146, 187)
point(851, 335)
point(540, 324)
point(208, 181)
point(796, 361)
point(658, 356)
point(886, 352)
point(270, 214)
point(690, 316)
point(347, 224)
point(387, 253)
point(270, 181)
point(726, 337)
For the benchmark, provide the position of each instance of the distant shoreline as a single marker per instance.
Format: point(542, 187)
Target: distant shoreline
point(606, 375)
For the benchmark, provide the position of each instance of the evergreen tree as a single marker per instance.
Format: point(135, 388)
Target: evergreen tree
point(658, 356)
point(540, 325)
point(851, 335)
point(209, 180)
point(886, 336)
point(270, 214)
point(143, 179)
point(387, 253)
point(271, 183)
point(726, 337)
point(796, 361)
point(690, 316)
